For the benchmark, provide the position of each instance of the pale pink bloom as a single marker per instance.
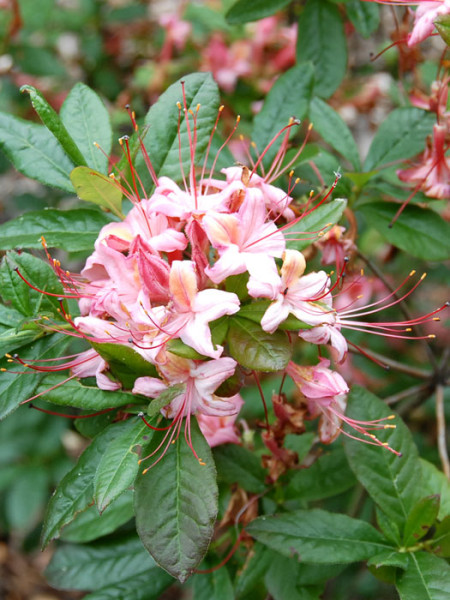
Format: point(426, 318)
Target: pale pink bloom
point(437, 100)
point(91, 364)
point(245, 242)
point(334, 247)
point(325, 392)
point(294, 293)
point(327, 334)
point(221, 430)
point(227, 62)
point(177, 33)
point(199, 381)
point(193, 310)
point(433, 174)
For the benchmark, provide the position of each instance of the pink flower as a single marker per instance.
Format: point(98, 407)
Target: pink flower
point(334, 247)
point(221, 430)
point(433, 174)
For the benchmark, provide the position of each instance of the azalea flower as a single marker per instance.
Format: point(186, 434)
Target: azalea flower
point(221, 430)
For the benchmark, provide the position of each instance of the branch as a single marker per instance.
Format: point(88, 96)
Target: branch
point(441, 437)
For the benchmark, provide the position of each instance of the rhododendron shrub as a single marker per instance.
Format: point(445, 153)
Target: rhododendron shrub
point(203, 320)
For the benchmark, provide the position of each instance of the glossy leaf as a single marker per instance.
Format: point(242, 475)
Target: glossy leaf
point(255, 312)
point(252, 572)
point(89, 525)
point(125, 363)
point(244, 11)
point(148, 585)
point(427, 578)
point(420, 519)
point(365, 16)
point(176, 505)
point(318, 536)
point(390, 558)
point(71, 230)
point(87, 121)
point(256, 349)
point(213, 586)
point(328, 476)
point(119, 466)
point(321, 40)
point(333, 130)
point(35, 152)
point(12, 339)
point(289, 97)
point(317, 221)
point(99, 565)
point(401, 135)
point(236, 464)
point(392, 481)
point(15, 389)
point(76, 491)
point(92, 186)
point(435, 482)
point(53, 122)
point(418, 231)
point(162, 118)
point(441, 538)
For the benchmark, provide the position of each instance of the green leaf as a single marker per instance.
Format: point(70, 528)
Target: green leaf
point(125, 363)
point(176, 505)
point(257, 563)
point(236, 464)
point(256, 349)
point(162, 142)
point(71, 230)
point(328, 476)
point(442, 24)
point(12, 339)
point(390, 558)
point(21, 296)
point(255, 312)
point(92, 186)
point(76, 394)
point(364, 16)
point(321, 40)
point(144, 586)
point(10, 316)
point(89, 525)
point(418, 231)
point(35, 152)
point(326, 214)
point(26, 497)
point(76, 491)
point(401, 135)
point(244, 11)
point(426, 578)
point(87, 121)
point(165, 398)
point(15, 389)
point(421, 518)
point(213, 586)
point(288, 579)
point(441, 538)
point(392, 481)
point(289, 97)
point(334, 131)
point(52, 121)
point(317, 536)
point(119, 466)
point(102, 564)
point(435, 482)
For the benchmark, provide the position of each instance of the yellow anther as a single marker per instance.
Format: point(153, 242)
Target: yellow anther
point(10, 360)
point(436, 318)
point(252, 144)
point(179, 105)
point(96, 144)
point(359, 297)
point(238, 118)
point(291, 173)
point(8, 355)
point(221, 107)
point(241, 137)
point(197, 108)
point(297, 180)
point(144, 471)
point(139, 461)
point(202, 463)
point(390, 427)
point(431, 336)
point(423, 277)
point(310, 126)
point(408, 329)
point(3, 369)
point(362, 272)
point(413, 272)
point(390, 417)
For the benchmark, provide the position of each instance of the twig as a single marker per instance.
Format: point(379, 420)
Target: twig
point(411, 391)
point(441, 437)
point(397, 366)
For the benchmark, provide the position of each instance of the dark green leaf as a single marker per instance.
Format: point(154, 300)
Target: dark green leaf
point(87, 121)
point(89, 525)
point(255, 312)
point(328, 476)
point(399, 137)
point(71, 230)
point(420, 519)
point(244, 11)
point(426, 578)
point(213, 586)
point(10, 316)
point(101, 564)
point(435, 482)
point(392, 481)
point(418, 231)
point(256, 565)
point(144, 586)
point(321, 40)
point(285, 579)
point(333, 130)
point(165, 398)
point(15, 389)
point(76, 394)
point(365, 16)
point(289, 97)
point(12, 339)
point(35, 152)
point(389, 558)
point(125, 363)
point(388, 527)
point(441, 538)
point(442, 24)
point(52, 121)
point(318, 536)
point(176, 505)
point(327, 214)
point(26, 498)
point(119, 466)
point(236, 464)
point(76, 491)
point(92, 186)
point(162, 118)
point(256, 349)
